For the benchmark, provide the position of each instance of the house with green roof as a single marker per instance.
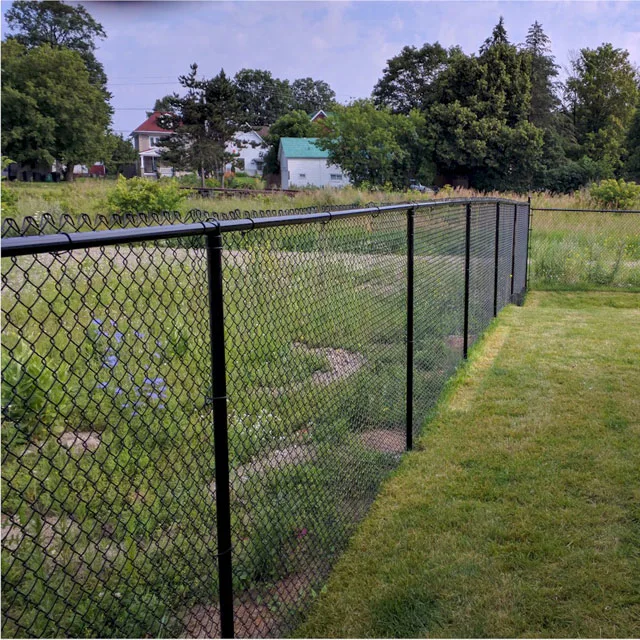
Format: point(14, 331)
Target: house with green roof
point(304, 164)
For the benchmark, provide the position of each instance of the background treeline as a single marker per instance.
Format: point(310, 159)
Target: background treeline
point(498, 119)
point(495, 120)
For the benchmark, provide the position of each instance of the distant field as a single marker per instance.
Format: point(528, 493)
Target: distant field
point(89, 196)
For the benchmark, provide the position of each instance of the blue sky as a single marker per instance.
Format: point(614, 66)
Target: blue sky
point(344, 43)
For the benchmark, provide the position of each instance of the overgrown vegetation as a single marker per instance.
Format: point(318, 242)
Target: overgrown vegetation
point(517, 515)
point(108, 460)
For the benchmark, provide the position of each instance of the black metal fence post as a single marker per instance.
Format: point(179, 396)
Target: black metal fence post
point(220, 430)
point(526, 268)
point(467, 254)
point(495, 273)
point(513, 248)
point(410, 260)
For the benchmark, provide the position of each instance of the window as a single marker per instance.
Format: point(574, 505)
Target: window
point(154, 140)
point(302, 175)
point(336, 176)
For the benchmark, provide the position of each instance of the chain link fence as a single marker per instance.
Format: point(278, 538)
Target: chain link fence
point(585, 249)
point(197, 416)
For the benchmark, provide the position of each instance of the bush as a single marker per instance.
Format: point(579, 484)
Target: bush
point(9, 201)
point(615, 194)
point(139, 195)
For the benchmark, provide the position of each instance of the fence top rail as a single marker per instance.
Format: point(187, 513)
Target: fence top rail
point(32, 245)
point(568, 210)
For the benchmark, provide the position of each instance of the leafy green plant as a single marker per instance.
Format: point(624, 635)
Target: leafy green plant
point(32, 396)
point(9, 201)
point(616, 194)
point(139, 195)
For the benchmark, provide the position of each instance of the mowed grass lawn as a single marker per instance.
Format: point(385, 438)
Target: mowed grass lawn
point(519, 512)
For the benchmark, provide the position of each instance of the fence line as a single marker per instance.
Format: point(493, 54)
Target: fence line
point(197, 415)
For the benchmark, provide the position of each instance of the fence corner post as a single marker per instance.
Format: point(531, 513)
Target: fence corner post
point(220, 430)
point(411, 213)
point(497, 258)
point(467, 255)
point(526, 267)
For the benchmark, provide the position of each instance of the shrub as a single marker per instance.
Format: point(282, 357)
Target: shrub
point(9, 201)
point(615, 194)
point(139, 195)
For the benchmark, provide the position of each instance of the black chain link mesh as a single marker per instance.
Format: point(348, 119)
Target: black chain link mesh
point(481, 268)
point(108, 474)
point(505, 252)
point(438, 304)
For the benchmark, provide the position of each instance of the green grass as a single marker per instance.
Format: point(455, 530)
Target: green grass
point(571, 250)
point(518, 513)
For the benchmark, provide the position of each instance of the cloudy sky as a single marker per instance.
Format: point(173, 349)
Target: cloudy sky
point(344, 43)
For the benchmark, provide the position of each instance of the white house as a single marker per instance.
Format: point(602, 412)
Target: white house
point(304, 164)
point(145, 139)
point(249, 148)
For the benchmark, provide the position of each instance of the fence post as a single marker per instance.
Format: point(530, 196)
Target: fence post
point(513, 249)
point(526, 268)
point(495, 273)
point(220, 430)
point(411, 213)
point(467, 254)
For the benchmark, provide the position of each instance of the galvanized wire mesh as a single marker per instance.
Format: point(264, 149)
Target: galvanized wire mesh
point(110, 506)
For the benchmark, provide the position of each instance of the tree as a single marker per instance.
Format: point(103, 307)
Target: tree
point(262, 98)
point(498, 37)
point(374, 146)
point(202, 122)
point(50, 109)
point(408, 79)
point(118, 152)
point(60, 26)
point(311, 95)
point(164, 104)
point(296, 124)
point(632, 165)
point(601, 96)
point(544, 101)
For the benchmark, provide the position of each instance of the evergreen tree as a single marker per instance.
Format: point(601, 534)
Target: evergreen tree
point(544, 101)
point(202, 122)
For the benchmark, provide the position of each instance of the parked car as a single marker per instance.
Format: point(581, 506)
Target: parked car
point(414, 185)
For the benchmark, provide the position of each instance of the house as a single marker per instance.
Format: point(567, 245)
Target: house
point(249, 148)
point(303, 164)
point(146, 140)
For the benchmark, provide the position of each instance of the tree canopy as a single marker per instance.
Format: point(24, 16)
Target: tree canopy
point(50, 108)
point(202, 122)
point(59, 25)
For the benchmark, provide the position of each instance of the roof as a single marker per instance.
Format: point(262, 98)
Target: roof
point(150, 125)
point(263, 131)
point(302, 148)
point(320, 115)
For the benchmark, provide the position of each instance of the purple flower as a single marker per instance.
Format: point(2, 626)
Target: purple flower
point(103, 385)
point(113, 323)
point(118, 391)
point(154, 396)
point(118, 336)
point(160, 406)
point(138, 334)
point(111, 361)
point(96, 321)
